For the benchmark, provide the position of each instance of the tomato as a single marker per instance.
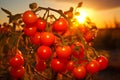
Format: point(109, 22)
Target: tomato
point(35, 39)
point(89, 36)
point(103, 61)
point(29, 17)
point(79, 72)
point(78, 50)
point(70, 65)
point(47, 38)
point(41, 24)
point(93, 67)
point(60, 25)
point(17, 72)
point(40, 66)
point(68, 14)
point(44, 52)
point(63, 51)
point(83, 29)
point(16, 61)
point(57, 65)
point(30, 31)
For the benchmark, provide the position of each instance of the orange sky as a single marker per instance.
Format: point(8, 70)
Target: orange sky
point(101, 12)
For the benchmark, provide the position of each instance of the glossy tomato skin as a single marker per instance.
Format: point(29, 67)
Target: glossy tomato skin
point(60, 25)
point(16, 61)
point(77, 50)
point(57, 65)
point(47, 38)
point(44, 52)
point(40, 66)
point(30, 31)
point(29, 17)
point(17, 72)
point(70, 65)
point(41, 24)
point(93, 67)
point(79, 72)
point(103, 61)
point(63, 51)
point(35, 39)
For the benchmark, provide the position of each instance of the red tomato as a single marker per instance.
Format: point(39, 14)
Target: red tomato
point(17, 72)
point(44, 52)
point(89, 36)
point(40, 66)
point(83, 29)
point(57, 65)
point(30, 31)
point(29, 17)
point(35, 39)
point(70, 65)
point(63, 51)
point(93, 67)
point(77, 50)
point(60, 25)
point(79, 72)
point(41, 24)
point(103, 61)
point(47, 38)
point(16, 61)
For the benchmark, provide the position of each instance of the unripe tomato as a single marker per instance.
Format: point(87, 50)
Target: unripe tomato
point(63, 51)
point(60, 25)
point(35, 39)
point(57, 65)
point(17, 72)
point(79, 72)
point(47, 38)
point(40, 66)
point(103, 61)
point(93, 67)
point(30, 31)
point(29, 17)
point(44, 52)
point(41, 24)
point(16, 61)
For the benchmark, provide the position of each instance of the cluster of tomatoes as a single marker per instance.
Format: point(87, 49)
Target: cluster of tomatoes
point(62, 55)
point(16, 63)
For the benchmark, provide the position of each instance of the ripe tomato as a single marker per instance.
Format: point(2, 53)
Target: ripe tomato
point(93, 67)
point(57, 65)
point(35, 39)
point(63, 51)
point(44, 52)
point(29, 17)
point(40, 66)
point(79, 72)
point(83, 29)
point(16, 61)
point(60, 25)
point(78, 50)
point(17, 72)
point(41, 24)
point(47, 38)
point(30, 31)
point(103, 61)
point(70, 65)
point(89, 36)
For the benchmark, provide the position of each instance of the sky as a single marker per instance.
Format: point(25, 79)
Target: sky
point(101, 12)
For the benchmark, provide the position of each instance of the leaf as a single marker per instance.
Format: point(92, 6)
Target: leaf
point(6, 11)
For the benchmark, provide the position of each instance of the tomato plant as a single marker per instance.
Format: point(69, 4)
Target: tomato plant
point(103, 61)
point(29, 17)
point(41, 24)
point(30, 31)
point(63, 51)
point(47, 38)
point(44, 52)
point(17, 72)
point(93, 67)
point(79, 72)
point(35, 39)
point(60, 25)
point(16, 61)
